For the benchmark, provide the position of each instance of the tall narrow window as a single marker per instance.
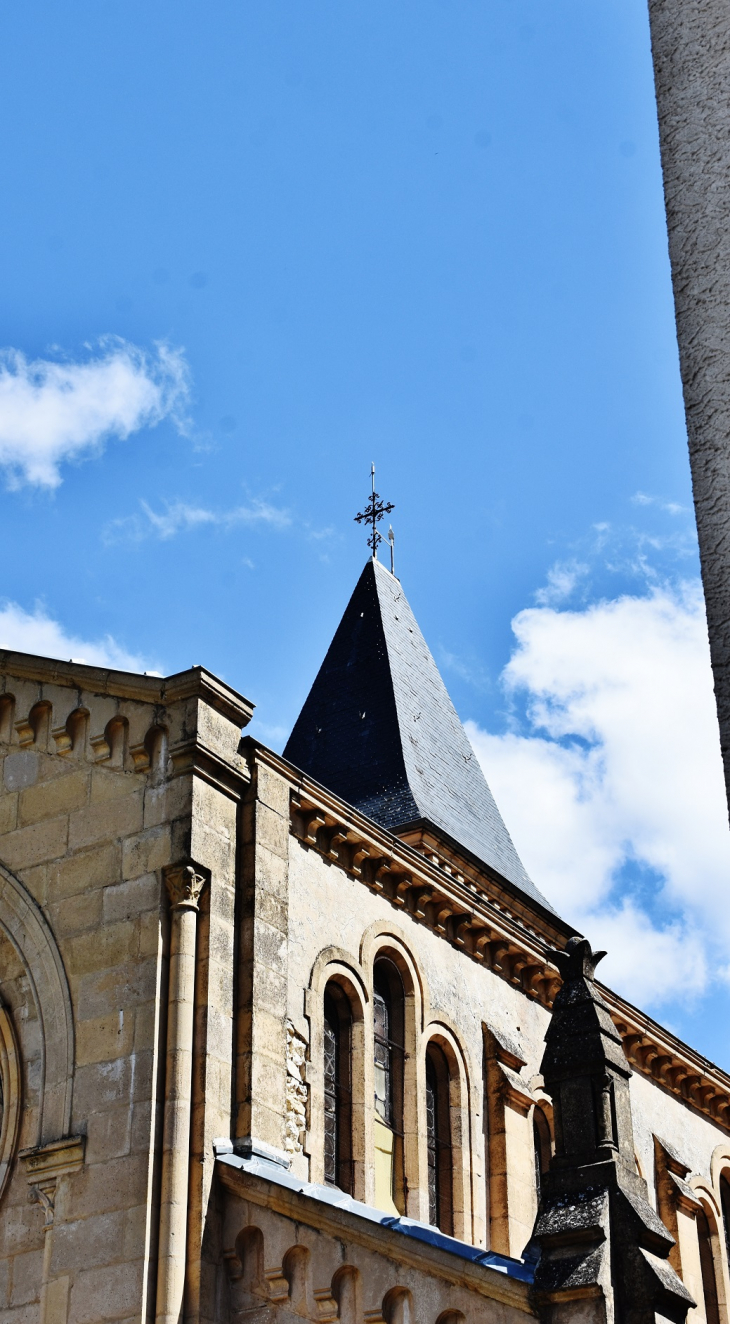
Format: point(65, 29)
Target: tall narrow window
point(725, 1201)
point(337, 1089)
point(543, 1147)
point(438, 1137)
point(388, 1027)
point(707, 1263)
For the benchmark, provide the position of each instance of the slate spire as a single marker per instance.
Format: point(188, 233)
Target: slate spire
point(380, 730)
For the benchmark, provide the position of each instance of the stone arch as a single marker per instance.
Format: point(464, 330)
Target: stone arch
point(22, 920)
point(447, 1042)
point(10, 1081)
point(347, 1292)
point(374, 942)
point(397, 1307)
point(297, 1269)
point(335, 966)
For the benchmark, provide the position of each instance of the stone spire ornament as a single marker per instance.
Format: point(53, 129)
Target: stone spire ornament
point(601, 1251)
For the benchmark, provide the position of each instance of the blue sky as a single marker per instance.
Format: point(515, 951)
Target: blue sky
point(427, 234)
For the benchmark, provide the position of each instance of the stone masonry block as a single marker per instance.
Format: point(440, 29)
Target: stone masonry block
point(83, 872)
point(272, 874)
point(87, 1241)
point(8, 811)
point(272, 832)
point(106, 946)
point(109, 1135)
point(273, 791)
point(105, 822)
point(123, 901)
point(26, 1278)
point(106, 1293)
point(48, 799)
point(163, 804)
point(270, 948)
point(113, 784)
point(75, 914)
point(37, 842)
point(105, 1038)
point(147, 852)
point(102, 1188)
point(121, 986)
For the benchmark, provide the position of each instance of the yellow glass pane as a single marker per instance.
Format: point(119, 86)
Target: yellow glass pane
point(384, 1168)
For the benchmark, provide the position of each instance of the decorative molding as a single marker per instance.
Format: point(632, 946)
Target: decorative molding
point(27, 929)
point(184, 886)
point(196, 682)
point(55, 1160)
point(11, 1079)
point(43, 1168)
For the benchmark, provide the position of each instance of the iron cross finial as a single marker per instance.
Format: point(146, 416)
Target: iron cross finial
point(373, 512)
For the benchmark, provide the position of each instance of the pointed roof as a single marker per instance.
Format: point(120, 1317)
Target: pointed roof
point(380, 730)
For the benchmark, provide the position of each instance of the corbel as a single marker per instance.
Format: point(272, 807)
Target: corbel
point(45, 1164)
point(418, 899)
point(360, 853)
point(100, 747)
point(442, 913)
point(24, 731)
point(402, 884)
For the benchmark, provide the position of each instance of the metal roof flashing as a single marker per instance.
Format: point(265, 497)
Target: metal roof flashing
point(267, 1170)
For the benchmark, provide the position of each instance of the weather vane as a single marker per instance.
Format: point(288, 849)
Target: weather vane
point(372, 514)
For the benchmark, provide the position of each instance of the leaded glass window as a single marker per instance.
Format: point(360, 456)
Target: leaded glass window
point(438, 1140)
point(337, 1089)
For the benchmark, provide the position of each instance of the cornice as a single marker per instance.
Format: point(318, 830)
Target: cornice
point(196, 682)
point(474, 911)
point(342, 1225)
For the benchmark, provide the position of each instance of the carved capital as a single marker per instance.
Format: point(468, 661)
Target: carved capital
point(45, 1196)
point(184, 886)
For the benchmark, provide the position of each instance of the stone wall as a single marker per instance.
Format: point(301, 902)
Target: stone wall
point(102, 789)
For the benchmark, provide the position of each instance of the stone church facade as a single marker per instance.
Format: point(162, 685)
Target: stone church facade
point(272, 1028)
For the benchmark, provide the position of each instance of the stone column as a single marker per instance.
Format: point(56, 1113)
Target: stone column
point(184, 887)
point(261, 1066)
point(691, 49)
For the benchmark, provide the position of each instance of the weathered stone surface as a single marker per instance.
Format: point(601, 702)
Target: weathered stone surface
point(691, 47)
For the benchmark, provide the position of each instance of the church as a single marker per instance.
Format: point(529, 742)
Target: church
point(296, 1037)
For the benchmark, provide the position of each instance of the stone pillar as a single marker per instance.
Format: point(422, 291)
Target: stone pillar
point(184, 886)
point(512, 1192)
point(261, 1069)
point(602, 1253)
point(691, 49)
point(45, 1170)
point(678, 1207)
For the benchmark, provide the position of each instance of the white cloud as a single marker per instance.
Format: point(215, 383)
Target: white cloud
point(562, 580)
point(36, 632)
point(57, 410)
point(670, 507)
point(616, 765)
point(180, 517)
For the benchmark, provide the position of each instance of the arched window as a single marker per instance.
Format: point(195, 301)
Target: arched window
point(543, 1147)
point(725, 1201)
point(438, 1133)
point(388, 1027)
point(337, 1089)
point(707, 1262)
